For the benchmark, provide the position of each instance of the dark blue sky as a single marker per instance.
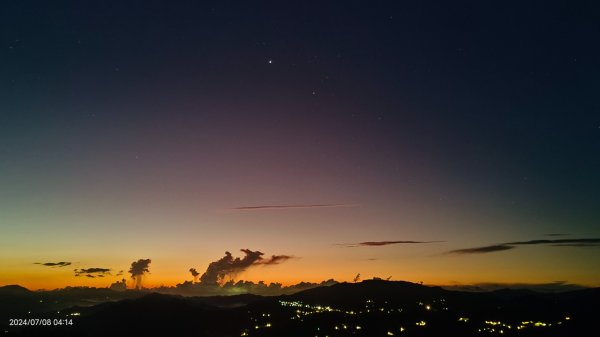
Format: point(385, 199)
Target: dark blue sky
point(487, 107)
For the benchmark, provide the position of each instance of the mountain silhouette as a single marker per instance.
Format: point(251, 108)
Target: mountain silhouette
point(369, 308)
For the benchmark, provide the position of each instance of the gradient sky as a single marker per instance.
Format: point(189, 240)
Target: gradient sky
point(135, 129)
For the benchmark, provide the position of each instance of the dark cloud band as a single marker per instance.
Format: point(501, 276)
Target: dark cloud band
point(383, 243)
point(92, 272)
point(561, 241)
point(480, 250)
point(585, 242)
point(54, 264)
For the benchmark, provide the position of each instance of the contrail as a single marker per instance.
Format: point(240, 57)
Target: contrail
point(282, 207)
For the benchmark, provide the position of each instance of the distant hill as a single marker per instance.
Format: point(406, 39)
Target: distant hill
point(14, 289)
point(17, 301)
point(378, 290)
point(369, 308)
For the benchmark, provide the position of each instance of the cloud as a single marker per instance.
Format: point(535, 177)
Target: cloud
point(481, 250)
point(195, 274)
point(92, 272)
point(119, 285)
point(138, 269)
point(276, 259)
point(383, 243)
point(232, 287)
point(593, 241)
point(282, 207)
point(227, 265)
point(54, 264)
point(219, 270)
point(589, 242)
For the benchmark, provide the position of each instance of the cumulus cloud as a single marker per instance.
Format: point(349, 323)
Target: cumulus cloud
point(138, 269)
point(195, 274)
point(119, 285)
point(228, 266)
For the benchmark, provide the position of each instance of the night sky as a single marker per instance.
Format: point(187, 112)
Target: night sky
point(326, 131)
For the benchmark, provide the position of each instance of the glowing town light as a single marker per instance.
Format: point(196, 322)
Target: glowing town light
point(493, 323)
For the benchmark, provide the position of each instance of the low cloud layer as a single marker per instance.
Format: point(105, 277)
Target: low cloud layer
point(240, 287)
point(282, 207)
point(54, 264)
point(585, 242)
point(382, 243)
